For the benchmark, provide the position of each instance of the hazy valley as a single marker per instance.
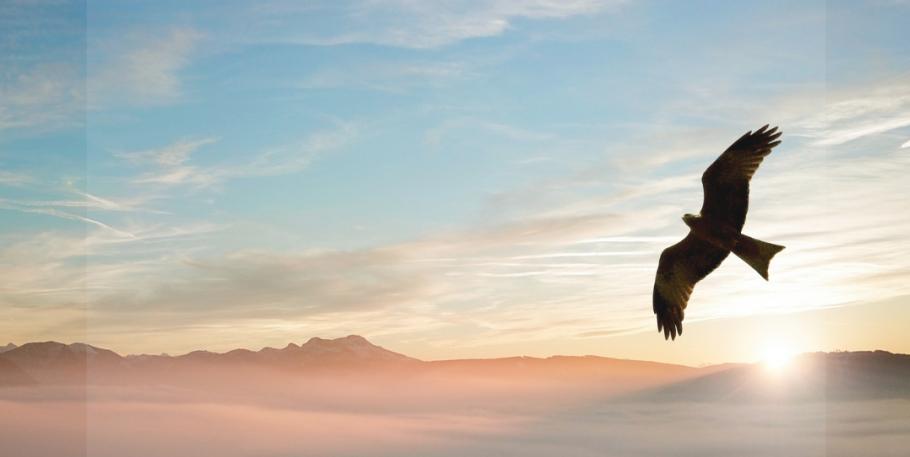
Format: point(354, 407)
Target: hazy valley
point(349, 397)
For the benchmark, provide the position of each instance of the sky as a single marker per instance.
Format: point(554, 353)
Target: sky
point(449, 179)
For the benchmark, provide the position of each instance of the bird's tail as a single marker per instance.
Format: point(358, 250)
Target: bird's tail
point(756, 253)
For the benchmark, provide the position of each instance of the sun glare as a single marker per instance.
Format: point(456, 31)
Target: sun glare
point(777, 357)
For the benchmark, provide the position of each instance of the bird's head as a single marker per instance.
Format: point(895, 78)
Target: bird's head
point(689, 219)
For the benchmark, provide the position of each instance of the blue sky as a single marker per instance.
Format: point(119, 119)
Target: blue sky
point(449, 178)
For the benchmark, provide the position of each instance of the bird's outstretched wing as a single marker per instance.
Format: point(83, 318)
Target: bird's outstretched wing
point(726, 181)
point(680, 267)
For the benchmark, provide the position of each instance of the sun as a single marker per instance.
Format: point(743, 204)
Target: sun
point(777, 356)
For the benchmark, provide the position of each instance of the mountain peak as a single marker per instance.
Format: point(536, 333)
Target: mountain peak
point(7, 348)
point(351, 347)
point(346, 340)
point(42, 347)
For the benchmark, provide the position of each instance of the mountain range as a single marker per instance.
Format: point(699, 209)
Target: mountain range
point(353, 359)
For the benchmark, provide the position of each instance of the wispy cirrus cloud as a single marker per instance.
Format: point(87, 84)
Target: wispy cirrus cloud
point(50, 275)
point(393, 78)
point(8, 178)
point(452, 128)
point(45, 96)
point(42, 85)
point(412, 285)
point(851, 114)
point(172, 164)
point(66, 215)
point(409, 24)
point(172, 155)
point(140, 68)
point(76, 209)
point(77, 199)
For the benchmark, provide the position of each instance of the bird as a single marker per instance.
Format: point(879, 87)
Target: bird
point(716, 231)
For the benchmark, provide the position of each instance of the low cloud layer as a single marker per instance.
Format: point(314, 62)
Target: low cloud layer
point(110, 424)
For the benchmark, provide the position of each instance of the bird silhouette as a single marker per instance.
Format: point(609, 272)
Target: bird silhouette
point(715, 231)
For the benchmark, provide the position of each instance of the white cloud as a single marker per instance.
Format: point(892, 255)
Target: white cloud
point(46, 96)
point(140, 69)
point(432, 24)
point(77, 208)
point(171, 155)
point(49, 210)
point(393, 78)
point(76, 217)
point(8, 178)
point(471, 127)
point(36, 264)
point(42, 57)
point(851, 114)
point(411, 24)
point(171, 163)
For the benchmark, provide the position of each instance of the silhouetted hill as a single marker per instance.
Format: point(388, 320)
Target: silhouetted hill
point(559, 367)
point(351, 352)
point(564, 363)
point(352, 349)
point(53, 362)
point(12, 375)
point(51, 352)
point(356, 361)
point(817, 376)
point(8, 347)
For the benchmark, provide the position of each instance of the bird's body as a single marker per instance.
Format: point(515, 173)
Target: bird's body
point(716, 231)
